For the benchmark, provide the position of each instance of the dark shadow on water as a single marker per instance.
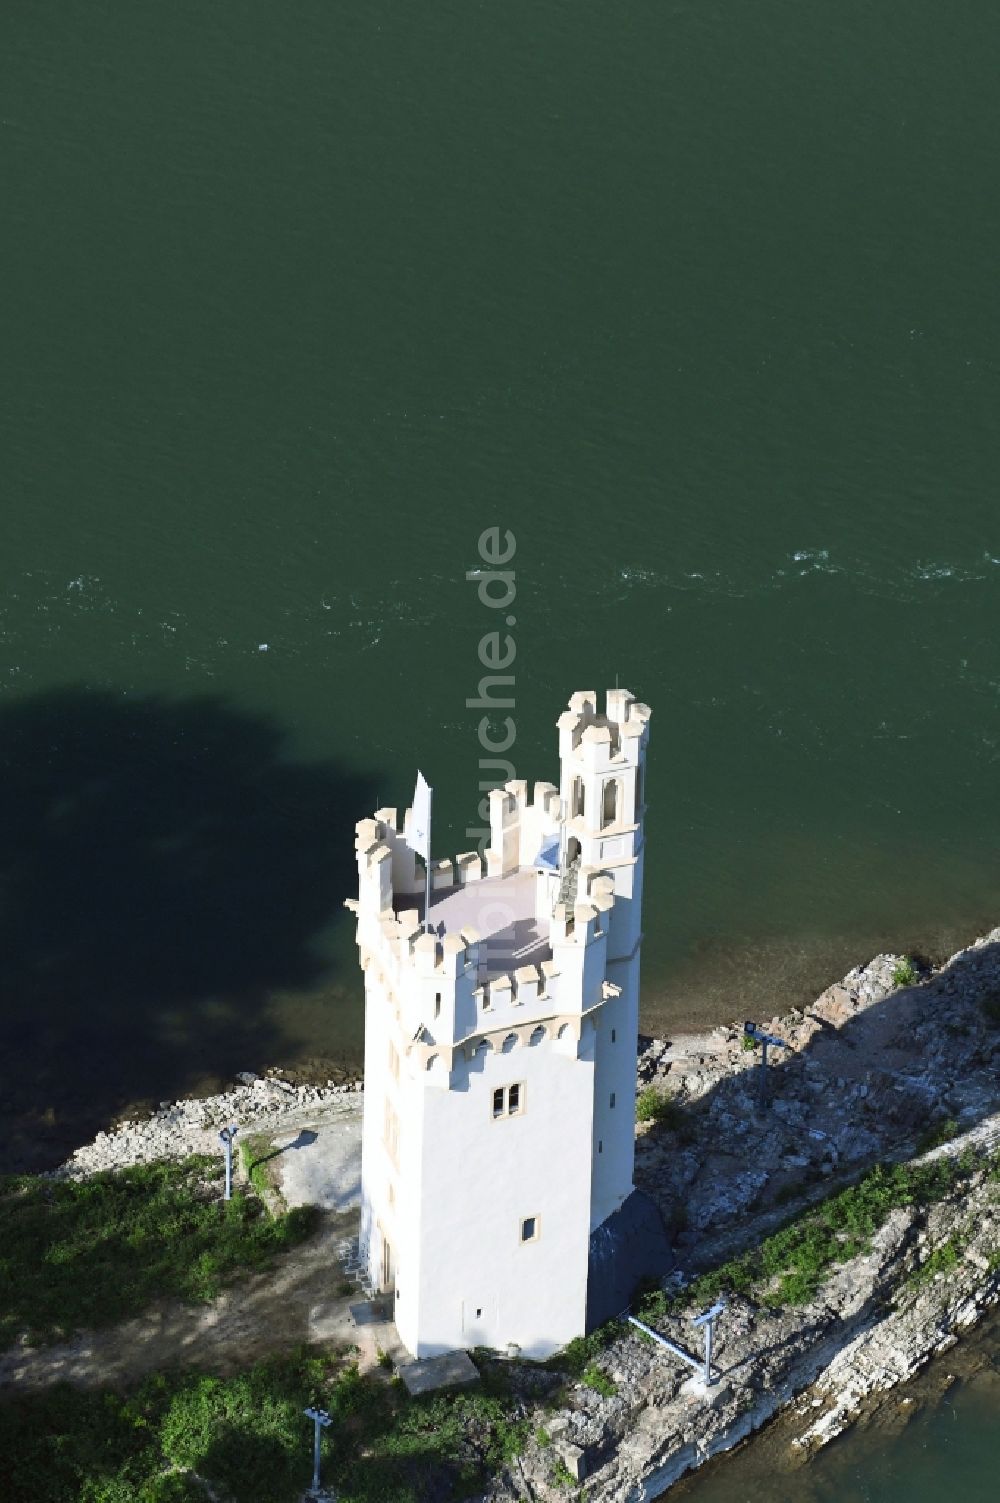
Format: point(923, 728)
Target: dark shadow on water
point(163, 869)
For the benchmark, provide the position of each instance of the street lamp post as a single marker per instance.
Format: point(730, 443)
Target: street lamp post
point(320, 1420)
point(701, 1366)
point(758, 1036)
point(708, 1321)
point(226, 1137)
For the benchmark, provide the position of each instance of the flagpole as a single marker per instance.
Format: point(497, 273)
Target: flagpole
point(427, 866)
point(419, 838)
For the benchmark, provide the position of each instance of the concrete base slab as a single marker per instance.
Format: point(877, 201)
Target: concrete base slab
point(321, 1165)
point(696, 1392)
point(453, 1370)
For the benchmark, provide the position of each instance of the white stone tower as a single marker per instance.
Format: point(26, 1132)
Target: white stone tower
point(500, 1049)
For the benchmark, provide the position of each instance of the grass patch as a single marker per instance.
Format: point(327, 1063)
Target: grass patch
point(904, 972)
point(652, 1106)
point(248, 1438)
point(94, 1252)
point(789, 1267)
point(255, 1153)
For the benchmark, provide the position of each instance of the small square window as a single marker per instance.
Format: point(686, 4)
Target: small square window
point(612, 1099)
point(529, 1229)
point(498, 1096)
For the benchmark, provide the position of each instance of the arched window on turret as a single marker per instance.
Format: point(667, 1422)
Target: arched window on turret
point(609, 810)
point(576, 802)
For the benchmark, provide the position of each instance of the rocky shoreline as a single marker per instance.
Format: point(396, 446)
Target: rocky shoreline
point(886, 1066)
point(875, 1071)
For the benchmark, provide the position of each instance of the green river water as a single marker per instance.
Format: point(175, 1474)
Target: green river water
point(696, 298)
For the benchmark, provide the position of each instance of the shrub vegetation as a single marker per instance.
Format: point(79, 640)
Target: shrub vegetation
point(789, 1267)
point(652, 1106)
point(246, 1437)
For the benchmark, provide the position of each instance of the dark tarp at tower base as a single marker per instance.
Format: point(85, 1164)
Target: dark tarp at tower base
point(631, 1245)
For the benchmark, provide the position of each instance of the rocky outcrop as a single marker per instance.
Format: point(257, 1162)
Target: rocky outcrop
point(877, 1321)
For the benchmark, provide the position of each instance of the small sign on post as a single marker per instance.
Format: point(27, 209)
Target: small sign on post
point(320, 1420)
point(226, 1137)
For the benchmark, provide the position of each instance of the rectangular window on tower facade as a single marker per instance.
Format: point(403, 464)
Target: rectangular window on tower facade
point(612, 1098)
point(508, 1101)
point(529, 1229)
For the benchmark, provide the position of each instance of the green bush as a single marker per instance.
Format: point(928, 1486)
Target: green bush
point(652, 1106)
point(96, 1252)
point(904, 972)
point(577, 1354)
point(596, 1378)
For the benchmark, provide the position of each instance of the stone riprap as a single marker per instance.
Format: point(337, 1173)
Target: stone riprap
point(258, 1105)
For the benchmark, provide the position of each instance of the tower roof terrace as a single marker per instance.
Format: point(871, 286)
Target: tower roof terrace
point(500, 909)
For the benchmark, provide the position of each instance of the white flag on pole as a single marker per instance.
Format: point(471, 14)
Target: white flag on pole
point(420, 819)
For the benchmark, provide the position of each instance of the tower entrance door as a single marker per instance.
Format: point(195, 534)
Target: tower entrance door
point(388, 1266)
